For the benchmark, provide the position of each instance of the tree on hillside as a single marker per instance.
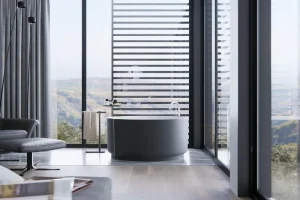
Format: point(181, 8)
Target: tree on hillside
point(68, 133)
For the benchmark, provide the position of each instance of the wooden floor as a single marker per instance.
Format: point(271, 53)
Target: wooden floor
point(147, 182)
point(191, 177)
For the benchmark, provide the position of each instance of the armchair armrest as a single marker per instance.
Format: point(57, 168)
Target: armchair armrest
point(19, 124)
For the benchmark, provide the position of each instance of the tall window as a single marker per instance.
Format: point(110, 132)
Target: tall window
point(66, 77)
point(285, 99)
point(283, 136)
point(150, 57)
point(99, 55)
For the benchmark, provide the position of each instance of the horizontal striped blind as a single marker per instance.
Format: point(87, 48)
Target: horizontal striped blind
point(150, 56)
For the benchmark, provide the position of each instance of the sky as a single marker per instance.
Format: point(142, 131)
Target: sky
point(285, 31)
point(65, 38)
point(285, 41)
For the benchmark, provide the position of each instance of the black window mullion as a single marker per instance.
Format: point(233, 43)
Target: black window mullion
point(84, 40)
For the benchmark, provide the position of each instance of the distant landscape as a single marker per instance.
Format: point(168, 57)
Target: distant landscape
point(69, 105)
point(98, 89)
point(69, 97)
point(285, 159)
point(68, 93)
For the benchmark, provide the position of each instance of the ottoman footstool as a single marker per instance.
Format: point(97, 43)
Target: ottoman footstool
point(29, 146)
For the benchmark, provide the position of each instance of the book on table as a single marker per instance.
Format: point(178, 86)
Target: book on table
point(79, 183)
point(41, 186)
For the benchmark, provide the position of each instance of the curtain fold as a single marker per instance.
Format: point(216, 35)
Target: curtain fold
point(27, 86)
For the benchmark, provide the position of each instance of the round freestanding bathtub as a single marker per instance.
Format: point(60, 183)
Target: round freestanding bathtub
point(147, 138)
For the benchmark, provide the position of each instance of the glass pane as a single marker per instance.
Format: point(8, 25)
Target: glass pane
point(99, 42)
point(285, 99)
point(210, 74)
point(223, 80)
point(65, 44)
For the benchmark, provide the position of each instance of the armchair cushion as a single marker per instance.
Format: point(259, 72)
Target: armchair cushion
point(12, 134)
point(27, 125)
point(32, 145)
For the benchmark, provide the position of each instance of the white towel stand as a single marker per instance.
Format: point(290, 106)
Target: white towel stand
point(99, 144)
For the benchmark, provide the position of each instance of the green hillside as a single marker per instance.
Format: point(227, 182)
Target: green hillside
point(68, 102)
point(284, 133)
point(69, 97)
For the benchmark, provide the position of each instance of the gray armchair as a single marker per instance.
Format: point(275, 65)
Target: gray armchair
point(17, 128)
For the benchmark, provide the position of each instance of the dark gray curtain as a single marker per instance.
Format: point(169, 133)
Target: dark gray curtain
point(26, 89)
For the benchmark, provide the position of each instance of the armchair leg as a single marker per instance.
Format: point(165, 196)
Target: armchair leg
point(30, 166)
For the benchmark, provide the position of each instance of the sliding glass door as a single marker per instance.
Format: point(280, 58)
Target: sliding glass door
point(223, 80)
point(210, 77)
point(217, 79)
point(278, 136)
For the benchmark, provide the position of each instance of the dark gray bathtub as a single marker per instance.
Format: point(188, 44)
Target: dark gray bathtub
point(147, 138)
